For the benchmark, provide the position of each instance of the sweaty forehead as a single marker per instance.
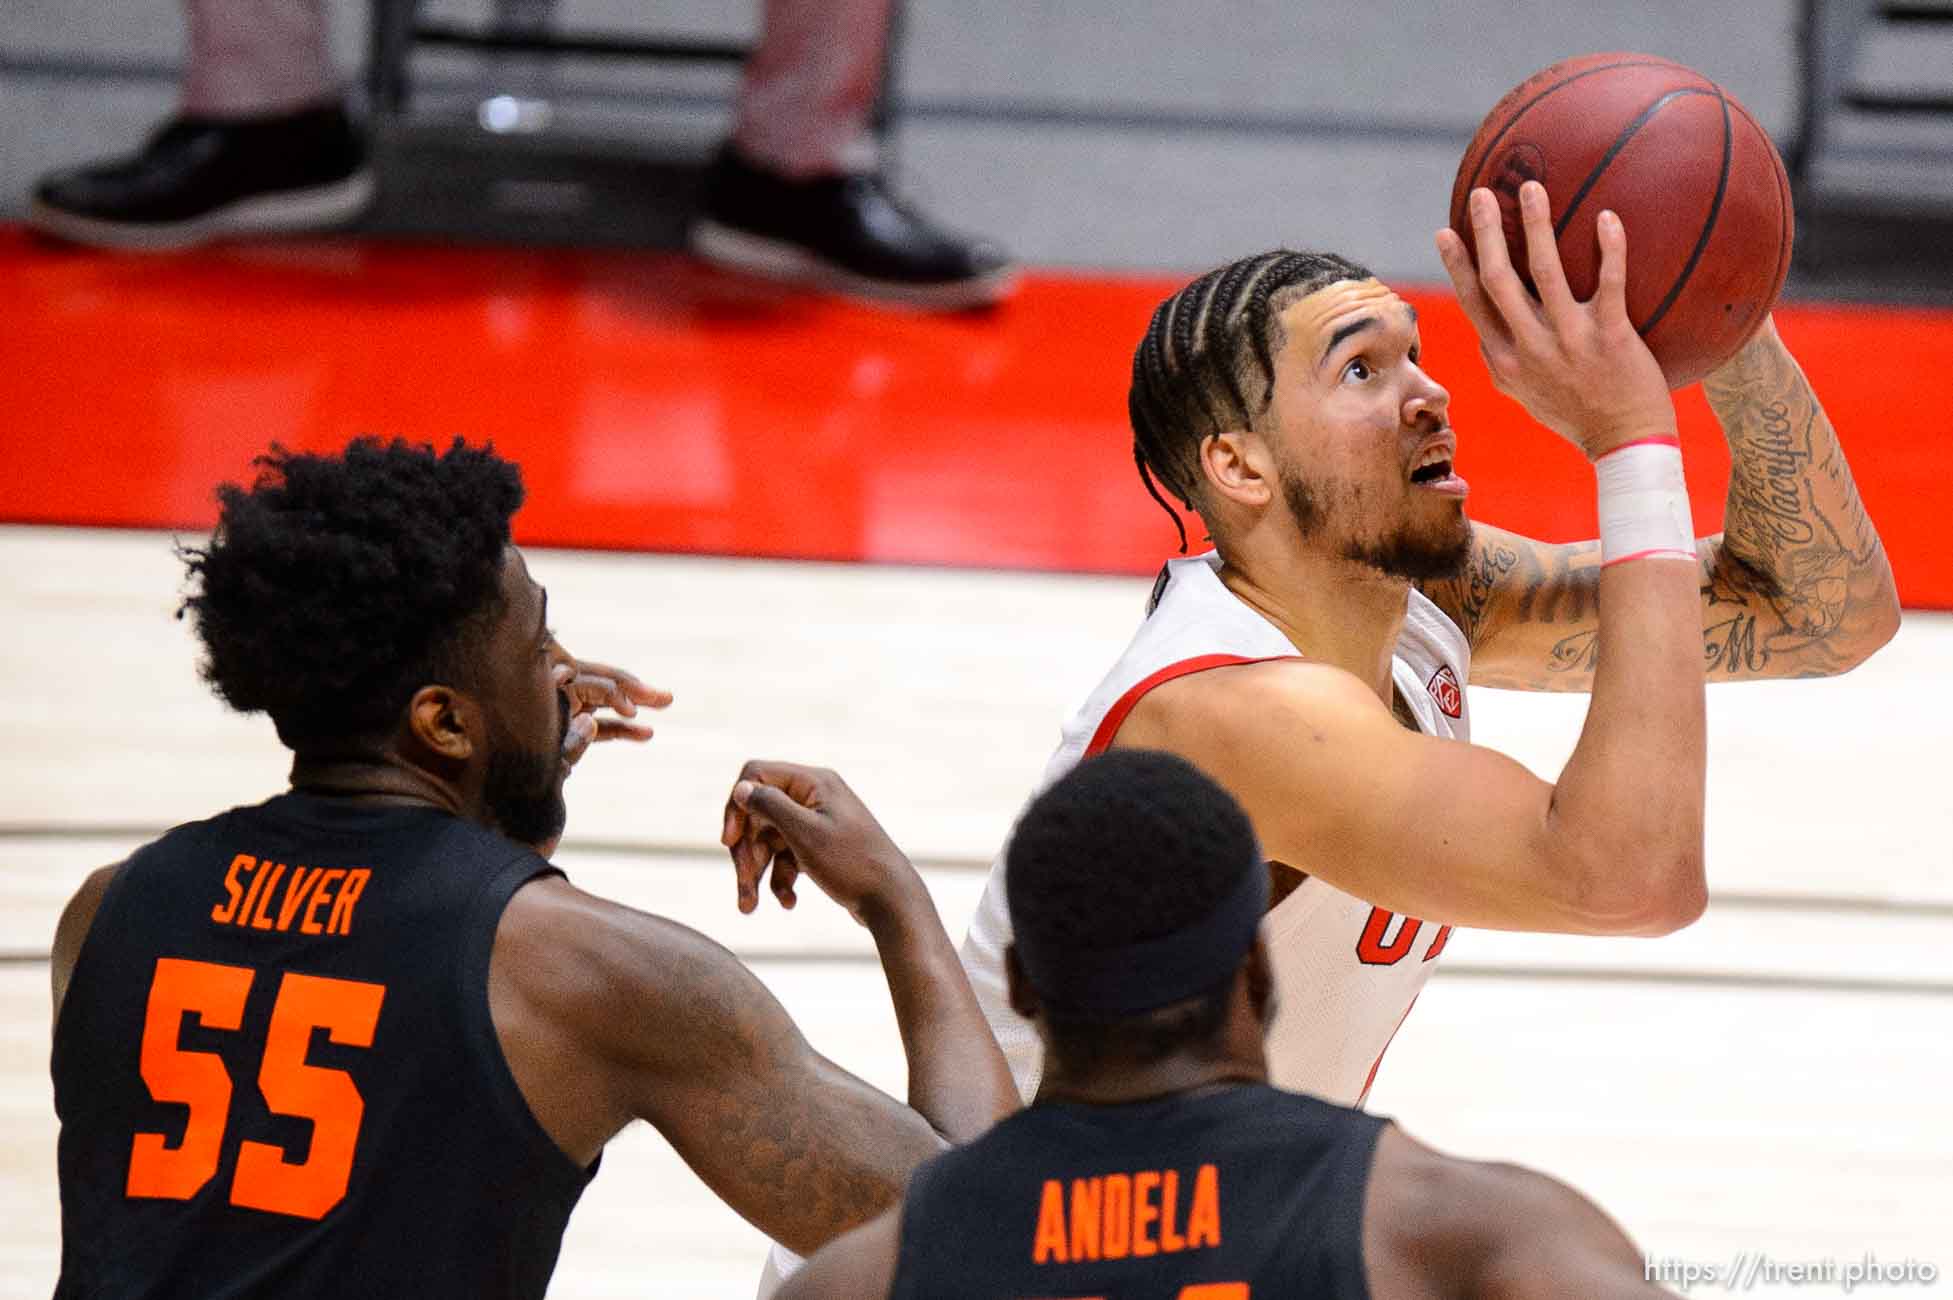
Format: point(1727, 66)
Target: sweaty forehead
point(1310, 322)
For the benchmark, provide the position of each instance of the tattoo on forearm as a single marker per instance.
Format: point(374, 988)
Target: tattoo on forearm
point(1579, 653)
point(1766, 513)
point(1730, 647)
point(1558, 586)
point(802, 1151)
point(1858, 529)
point(1797, 585)
point(787, 1180)
point(1549, 589)
point(1798, 551)
point(1468, 594)
point(1488, 567)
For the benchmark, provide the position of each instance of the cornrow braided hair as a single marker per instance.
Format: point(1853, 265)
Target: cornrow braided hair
point(1207, 348)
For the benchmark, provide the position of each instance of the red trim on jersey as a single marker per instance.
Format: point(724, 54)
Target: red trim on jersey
point(1364, 1096)
point(1116, 715)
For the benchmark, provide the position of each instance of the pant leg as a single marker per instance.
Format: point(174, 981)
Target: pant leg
point(253, 57)
point(810, 86)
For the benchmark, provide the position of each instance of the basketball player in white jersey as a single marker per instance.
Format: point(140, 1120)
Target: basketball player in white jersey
point(1314, 661)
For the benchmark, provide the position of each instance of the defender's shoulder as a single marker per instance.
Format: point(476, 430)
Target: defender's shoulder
point(551, 926)
point(612, 974)
point(1424, 1202)
point(71, 931)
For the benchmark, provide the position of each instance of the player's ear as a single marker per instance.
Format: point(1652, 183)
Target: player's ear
point(1018, 992)
point(1237, 467)
point(1261, 981)
point(445, 722)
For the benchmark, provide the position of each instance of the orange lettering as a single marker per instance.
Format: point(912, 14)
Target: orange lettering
point(1085, 1197)
point(1051, 1225)
point(260, 919)
point(342, 908)
point(251, 894)
point(295, 892)
point(1117, 1238)
point(1145, 1186)
point(348, 1011)
point(1170, 1240)
point(223, 912)
point(182, 1076)
point(264, 1179)
point(321, 895)
point(1204, 1217)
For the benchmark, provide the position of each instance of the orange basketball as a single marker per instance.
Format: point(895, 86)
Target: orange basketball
point(1697, 183)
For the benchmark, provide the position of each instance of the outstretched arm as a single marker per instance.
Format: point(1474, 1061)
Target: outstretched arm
point(1796, 585)
point(1434, 1225)
point(857, 1266)
point(607, 1015)
point(793, 819)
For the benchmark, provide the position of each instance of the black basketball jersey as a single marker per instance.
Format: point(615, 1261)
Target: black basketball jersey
point(276, 1073)
point(1247, 1193)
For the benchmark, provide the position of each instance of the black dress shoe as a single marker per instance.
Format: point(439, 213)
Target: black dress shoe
point(841, 232)
point(200, 178)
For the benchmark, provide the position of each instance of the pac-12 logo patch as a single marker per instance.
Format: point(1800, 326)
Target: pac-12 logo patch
point(1444, 689)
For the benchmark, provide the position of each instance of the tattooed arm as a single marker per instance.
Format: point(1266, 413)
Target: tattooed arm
point(1797, 584)
point(1798, 557)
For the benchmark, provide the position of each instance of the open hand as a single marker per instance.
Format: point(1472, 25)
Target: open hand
point(1579, 367)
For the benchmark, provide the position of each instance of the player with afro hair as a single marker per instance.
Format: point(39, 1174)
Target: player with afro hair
point(336, 585)
point(405, 989)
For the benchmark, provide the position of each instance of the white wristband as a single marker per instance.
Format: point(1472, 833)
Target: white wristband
point(1644, 503)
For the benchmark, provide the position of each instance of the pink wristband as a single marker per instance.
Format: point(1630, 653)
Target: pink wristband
point(1644, 503)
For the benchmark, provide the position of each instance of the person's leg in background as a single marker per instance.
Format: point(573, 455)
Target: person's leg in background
point(261, 141)
point(797, 192)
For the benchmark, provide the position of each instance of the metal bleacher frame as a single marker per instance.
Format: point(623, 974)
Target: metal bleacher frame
point(398, 28)
point(1832, 33)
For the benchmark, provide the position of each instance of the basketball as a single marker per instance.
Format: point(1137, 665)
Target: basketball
point(1696, 182)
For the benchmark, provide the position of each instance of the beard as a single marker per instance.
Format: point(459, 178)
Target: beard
point(522, 790)
point(523, 797)
point(1416, 555)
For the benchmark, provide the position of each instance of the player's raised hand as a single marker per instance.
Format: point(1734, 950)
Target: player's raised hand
point(1579, 367)
point(793, 819)
point(604, 703)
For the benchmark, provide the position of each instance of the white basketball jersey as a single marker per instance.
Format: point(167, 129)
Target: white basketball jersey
point(1346, 972)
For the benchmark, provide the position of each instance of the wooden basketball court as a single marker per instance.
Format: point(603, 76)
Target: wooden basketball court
point(1772, 1080)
